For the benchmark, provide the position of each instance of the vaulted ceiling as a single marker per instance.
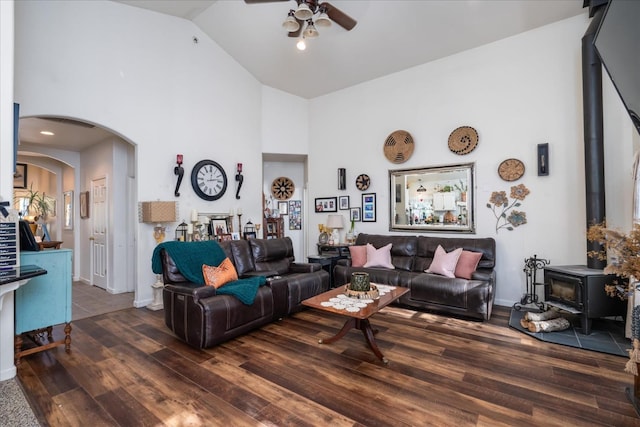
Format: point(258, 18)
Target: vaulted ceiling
point(390, 36)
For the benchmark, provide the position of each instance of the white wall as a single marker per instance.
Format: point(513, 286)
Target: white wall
point(516, 93)
point(140, 75)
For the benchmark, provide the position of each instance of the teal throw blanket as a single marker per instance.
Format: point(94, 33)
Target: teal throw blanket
point(189, 258)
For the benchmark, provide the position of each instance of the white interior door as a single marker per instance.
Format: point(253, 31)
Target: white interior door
point(99, 232)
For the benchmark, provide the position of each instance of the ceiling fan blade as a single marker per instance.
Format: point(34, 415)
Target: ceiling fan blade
point(262, 1)
point(297, 32)
point(339, 17)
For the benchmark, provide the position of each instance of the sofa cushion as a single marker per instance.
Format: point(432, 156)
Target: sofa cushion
point(444, 263)
point(467, 264)
point(403, 249)
point(379, 257)
point(220, 275)
point(358, 255)
point(272, 255)
point(240, 254)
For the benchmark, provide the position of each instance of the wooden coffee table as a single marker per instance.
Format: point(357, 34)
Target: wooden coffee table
point(359, 319)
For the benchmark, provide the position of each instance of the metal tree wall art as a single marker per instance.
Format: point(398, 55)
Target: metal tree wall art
point(502, 208)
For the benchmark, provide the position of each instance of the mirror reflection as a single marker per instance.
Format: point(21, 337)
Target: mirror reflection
point(432, 199)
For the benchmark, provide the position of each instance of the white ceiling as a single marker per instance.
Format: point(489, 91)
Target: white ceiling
point(391, 35)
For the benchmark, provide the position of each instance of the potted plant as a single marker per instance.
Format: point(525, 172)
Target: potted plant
point(462, 188)
point(37, 204)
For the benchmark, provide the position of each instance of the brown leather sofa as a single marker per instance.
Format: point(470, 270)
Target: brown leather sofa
point(412, 255)
point(202, 318)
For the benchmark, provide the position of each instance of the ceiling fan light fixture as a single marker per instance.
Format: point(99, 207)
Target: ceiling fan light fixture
point(301, 45)
point(323, 20)
point(310, 32)
point(303, 12)
point(290, 24)
point(421, 189)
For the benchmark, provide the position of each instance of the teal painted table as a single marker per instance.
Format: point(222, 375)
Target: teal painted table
point(44, 301)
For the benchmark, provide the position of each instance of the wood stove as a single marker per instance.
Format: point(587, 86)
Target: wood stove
point(579, 289)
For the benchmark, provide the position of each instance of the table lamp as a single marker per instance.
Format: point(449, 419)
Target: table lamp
point(335, 223)
point(158, 213)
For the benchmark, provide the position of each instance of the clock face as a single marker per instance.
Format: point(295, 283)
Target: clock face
point(208, 180)
point(511, 169)
point(282, 188)
point(362, 182)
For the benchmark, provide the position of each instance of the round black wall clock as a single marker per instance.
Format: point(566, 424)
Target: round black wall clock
point(208, 180)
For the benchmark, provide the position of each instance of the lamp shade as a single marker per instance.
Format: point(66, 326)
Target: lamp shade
point(303, 12)
point(335, 222)
point(158, 212)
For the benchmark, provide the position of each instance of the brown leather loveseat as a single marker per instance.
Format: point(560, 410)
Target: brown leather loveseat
point(203, 318)
point(412, 255)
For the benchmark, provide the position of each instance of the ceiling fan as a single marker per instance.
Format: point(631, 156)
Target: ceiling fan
point(301, 20)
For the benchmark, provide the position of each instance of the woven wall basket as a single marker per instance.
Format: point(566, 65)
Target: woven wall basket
point(398, 146)
point(463, 140)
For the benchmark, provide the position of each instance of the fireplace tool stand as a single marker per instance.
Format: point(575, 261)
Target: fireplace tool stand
point(531, 267)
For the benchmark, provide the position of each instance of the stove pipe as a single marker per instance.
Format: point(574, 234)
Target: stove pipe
point(593, 134)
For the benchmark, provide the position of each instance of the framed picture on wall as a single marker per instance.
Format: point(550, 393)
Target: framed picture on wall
point(369, 207)
point(283, 208)
point(84, 204)
point(295, 215)
point(343, 203)
point(326, 204)
point(354, 214)
point(20, 176)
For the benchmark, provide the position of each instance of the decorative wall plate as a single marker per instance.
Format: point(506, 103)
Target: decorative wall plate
point(363, 181)
point(511, 169)
point(282, 188)
point(398, 146)
point(463, 140)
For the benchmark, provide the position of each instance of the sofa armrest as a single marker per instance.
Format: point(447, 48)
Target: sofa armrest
point(304, 267)
point(195, 291)
point(484, 275)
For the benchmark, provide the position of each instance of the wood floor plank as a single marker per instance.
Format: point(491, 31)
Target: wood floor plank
point(126, 368)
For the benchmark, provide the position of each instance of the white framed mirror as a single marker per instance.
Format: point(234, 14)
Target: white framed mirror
point(432, 199)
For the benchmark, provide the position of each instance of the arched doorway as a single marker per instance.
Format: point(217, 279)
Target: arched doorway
point(80, 154)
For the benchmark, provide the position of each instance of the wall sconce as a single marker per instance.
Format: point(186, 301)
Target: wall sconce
point(158, 213)
point(543, 159)
point(342, 179)
point(239, 180)
point(178, 170)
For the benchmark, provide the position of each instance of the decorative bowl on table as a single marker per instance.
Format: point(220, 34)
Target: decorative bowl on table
point(361, 287)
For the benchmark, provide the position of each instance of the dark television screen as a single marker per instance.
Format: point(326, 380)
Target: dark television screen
point(618, 45)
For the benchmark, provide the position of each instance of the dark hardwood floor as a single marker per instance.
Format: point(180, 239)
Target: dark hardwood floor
point(127, 369)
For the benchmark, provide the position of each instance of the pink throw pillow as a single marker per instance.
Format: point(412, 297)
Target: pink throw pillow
point(358, 255)
point(444, 263)
point(467, 264)
point(379, 257)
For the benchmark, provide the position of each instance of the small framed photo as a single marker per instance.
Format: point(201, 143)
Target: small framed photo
point(235, 236)
point(327, 204)
point(354, 214)
point(219, 227)
point(369, 207)
point(283, 208)
point(20, 176)
point(343, 203)
point(226, 237)
point(84, 204)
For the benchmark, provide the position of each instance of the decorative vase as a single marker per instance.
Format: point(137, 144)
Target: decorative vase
point(360, 281)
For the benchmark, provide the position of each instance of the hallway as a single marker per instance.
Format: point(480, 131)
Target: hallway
point(88, 301)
